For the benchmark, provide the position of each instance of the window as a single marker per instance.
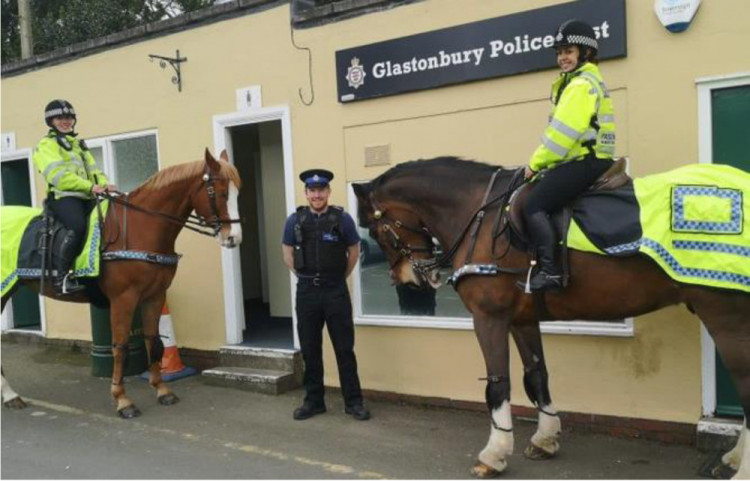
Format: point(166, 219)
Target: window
point(377, 302)
point(128, 159)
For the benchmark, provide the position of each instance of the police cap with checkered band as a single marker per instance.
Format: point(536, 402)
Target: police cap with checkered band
point(576, 32)
point(58, 108)
point(316, 177)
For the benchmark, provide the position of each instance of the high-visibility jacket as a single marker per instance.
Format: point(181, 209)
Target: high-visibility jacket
point(68, 168)
point(582, 120)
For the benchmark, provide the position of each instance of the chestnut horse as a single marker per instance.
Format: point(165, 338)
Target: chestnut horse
point(148, 220)
point(412, 202)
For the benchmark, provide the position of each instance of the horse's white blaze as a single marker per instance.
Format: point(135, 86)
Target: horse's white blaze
point(235, 232)
point(743, 449)
point(548, 430)
point(406, 274)
point(500, 444)
point(8, 393)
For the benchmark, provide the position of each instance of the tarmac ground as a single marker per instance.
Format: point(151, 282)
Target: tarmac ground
point(71, 431)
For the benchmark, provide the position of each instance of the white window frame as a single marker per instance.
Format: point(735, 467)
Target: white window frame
point(590, 328)
point(108, 152)
point(7, 321)
point(705, 85)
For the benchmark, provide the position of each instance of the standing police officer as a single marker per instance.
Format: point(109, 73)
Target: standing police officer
point(321, 246)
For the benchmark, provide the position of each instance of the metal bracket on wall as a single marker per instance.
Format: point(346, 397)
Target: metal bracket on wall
point(175, 63)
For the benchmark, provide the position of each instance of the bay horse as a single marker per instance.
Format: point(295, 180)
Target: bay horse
point(408, 205)
point(148, 220)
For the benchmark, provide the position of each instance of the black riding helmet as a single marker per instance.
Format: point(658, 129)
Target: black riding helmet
point(580, 34)
point(59, 108)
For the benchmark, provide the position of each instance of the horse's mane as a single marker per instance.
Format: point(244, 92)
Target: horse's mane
point(462, 166)
point(177, 173)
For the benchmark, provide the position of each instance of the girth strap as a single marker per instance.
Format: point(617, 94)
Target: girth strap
point(152, 257)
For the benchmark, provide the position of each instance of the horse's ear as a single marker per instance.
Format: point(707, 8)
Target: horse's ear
point(362, 192)
point(224, 156)
point(211, 162)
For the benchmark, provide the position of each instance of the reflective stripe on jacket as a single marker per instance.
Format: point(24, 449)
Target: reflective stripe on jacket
point(64, 170)
point(582, 103)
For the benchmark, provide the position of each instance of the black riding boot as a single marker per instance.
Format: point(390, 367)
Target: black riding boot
point(548, 275)
point(63, 283)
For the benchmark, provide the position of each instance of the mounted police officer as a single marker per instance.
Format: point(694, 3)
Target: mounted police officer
point(577, 146)
point(321, 246)
point(72, 180)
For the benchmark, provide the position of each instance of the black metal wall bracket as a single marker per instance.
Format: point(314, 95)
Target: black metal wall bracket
point(175, 63)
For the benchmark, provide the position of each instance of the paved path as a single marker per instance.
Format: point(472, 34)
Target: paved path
point(71, 431)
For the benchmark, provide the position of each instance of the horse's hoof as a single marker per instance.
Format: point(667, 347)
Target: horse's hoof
point(15, 403)
point(483, 471)
point(168, 399)
point(129, 412)
point(536, 453)
point(722, 471)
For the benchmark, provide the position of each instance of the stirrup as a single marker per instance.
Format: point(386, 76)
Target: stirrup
point(69, 285)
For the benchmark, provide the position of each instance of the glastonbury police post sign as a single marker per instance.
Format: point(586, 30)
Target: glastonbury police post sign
point(496, 47)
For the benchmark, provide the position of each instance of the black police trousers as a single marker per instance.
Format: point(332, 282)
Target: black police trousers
point(73, 213)
point(560, 185)
point(331, 305)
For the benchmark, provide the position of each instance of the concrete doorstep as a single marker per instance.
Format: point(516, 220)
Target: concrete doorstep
point(71, 431)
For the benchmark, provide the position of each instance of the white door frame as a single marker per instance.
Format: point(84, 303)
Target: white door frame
point(7, 317)
point(234, 311)
point(705, 155)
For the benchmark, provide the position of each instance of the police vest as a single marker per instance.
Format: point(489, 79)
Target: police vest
point(321, 239)
point(584, 126)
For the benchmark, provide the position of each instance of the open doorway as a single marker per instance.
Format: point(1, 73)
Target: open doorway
point(257, 151)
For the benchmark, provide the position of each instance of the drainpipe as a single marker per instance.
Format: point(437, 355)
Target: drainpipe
point(24, 20)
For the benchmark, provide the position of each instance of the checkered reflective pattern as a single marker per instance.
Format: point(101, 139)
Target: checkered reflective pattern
point(581, 40)
point(720, 247)
point(678, 269)
point(680, 224)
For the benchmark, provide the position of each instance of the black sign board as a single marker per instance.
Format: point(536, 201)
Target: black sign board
point(490, 48)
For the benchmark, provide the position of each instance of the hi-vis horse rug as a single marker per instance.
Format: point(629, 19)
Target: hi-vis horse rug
point(693, 221)
point(19, 227)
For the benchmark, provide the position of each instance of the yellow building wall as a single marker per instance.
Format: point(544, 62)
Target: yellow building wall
point(655, 374)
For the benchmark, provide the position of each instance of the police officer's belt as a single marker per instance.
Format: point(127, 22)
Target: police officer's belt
point(319, 281)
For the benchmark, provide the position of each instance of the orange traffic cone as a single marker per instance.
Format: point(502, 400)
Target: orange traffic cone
point(171, 364)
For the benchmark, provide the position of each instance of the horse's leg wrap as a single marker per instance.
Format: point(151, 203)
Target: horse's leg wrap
point(733, 458)
point(536, 384)
point(156, 352)
point(500, 444)
point(545, 441)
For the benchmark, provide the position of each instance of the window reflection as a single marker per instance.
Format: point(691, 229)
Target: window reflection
point(380, 298)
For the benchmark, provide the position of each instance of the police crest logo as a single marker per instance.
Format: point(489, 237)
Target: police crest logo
point(355, 74)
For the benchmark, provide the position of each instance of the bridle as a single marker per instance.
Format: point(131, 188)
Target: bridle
point(405, 250)
point(422, 267)
point(209, 227)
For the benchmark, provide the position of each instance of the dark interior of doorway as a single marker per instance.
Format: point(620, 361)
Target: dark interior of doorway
point(264, 330)
point(251, 145)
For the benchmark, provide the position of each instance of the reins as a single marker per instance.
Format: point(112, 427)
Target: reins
point(193, 222)
point(473, 224)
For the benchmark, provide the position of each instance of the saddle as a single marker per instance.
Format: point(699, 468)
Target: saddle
point(43, 236)
point(613, 179)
